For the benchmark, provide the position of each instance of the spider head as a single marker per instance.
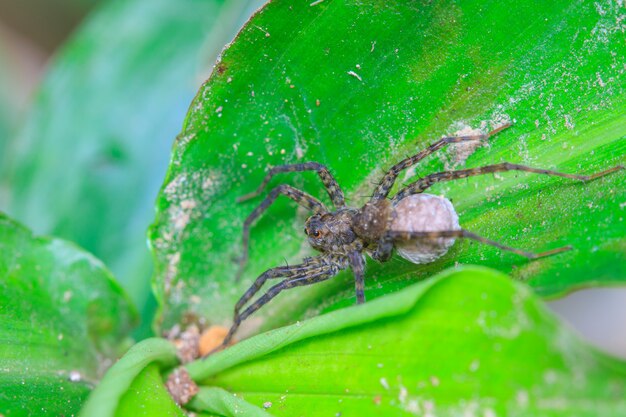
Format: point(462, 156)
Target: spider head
point(330, 232)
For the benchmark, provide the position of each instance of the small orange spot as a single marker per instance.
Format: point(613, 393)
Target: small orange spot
point(211, 338)
point(377, 400)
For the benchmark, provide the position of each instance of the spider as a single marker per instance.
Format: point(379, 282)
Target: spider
point(421, 227)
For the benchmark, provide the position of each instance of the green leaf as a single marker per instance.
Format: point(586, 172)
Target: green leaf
point(358, 86)
point(133, 386)
point(216, 400)
point(147, 396)
point(466, 342)
point(95, 146)
point(62, 320)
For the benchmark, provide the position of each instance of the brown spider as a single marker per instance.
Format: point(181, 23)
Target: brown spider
point(420, 226)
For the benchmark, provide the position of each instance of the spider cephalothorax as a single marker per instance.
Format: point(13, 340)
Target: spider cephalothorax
point(332, 232)
point(421, 227)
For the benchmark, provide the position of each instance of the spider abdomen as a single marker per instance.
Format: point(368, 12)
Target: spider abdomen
point(424, 213)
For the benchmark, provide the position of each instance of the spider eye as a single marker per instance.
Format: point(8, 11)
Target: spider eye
point(317, 234)
point(306, 231)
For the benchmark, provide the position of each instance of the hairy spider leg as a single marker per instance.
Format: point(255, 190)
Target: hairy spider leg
point(289, 271)
point(331, 185)
point(358, 268)
point(296, 195)
point(405, 236)
point(384, 187)
point(307, 278)
point(429, 180)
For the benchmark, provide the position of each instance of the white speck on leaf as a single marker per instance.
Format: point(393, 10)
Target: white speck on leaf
point(75, 376)
point(522, 398)
point(402, 395)
point(550, 377)
point(267, 34)
point(355, 75)
point(489, 413)
point(188, 204)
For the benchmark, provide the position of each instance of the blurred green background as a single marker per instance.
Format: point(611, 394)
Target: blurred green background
point(92, 96)
point(91, 175)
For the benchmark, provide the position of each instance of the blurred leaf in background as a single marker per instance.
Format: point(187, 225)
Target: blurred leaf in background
point(6, 109)
point(93, 152)
point(20, 69)
point(63, 321)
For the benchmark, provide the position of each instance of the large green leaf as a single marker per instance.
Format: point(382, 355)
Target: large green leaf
point(359, 85)
point(95, 147)
point(223, 403)
point(467, 342)
point(62, 320)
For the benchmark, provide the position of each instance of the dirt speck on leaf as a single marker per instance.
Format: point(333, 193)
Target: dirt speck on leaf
point(180, 386)
point(187, 344)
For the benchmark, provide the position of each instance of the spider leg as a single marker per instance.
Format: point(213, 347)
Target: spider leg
point(307, 278)
point(404, 236)
point(296, 195)
point(382, 190)
point(426, 182)
point(278, 272)
point(331, 185)
point(383, 250)
point(358, 268)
